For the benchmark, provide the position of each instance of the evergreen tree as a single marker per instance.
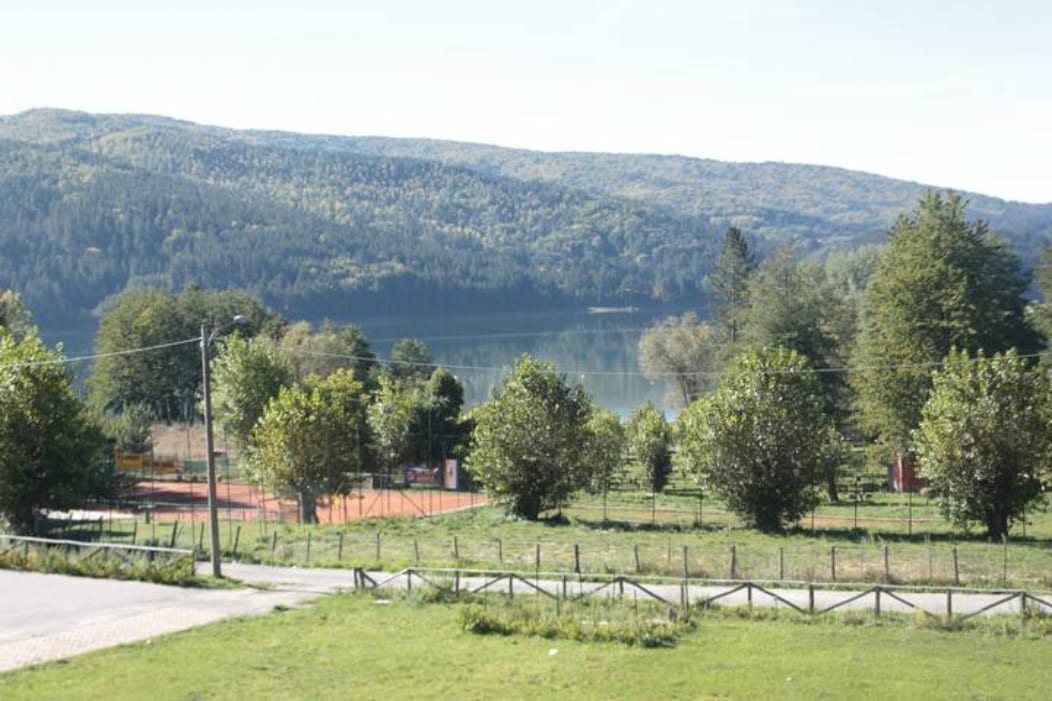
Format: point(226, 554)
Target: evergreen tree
point(729, 280)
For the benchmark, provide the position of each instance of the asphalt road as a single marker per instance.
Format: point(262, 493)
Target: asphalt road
point(47, 617)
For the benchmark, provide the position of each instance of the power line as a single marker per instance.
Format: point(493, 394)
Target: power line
point(502, 368)
point(96, 356)
point(636, 373)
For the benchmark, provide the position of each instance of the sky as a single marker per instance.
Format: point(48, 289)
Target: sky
point(948, 94)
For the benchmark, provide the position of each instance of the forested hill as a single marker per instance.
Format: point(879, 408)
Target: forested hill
point(92, 204)
point(805, 206)
point(337, 226)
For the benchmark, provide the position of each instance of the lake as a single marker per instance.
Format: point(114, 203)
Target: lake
point(599, 350)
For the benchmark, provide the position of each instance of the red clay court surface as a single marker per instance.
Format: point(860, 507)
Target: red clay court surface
point(238, 501)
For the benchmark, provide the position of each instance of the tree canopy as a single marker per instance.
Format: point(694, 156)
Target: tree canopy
point(50, 449)
point(247, 374)
point(530, 445)
point(761, 441)
point(649, 439)
point(681, 350)
point(168, 378)
point(941, 282)
point(309, 440)
point(984, 439)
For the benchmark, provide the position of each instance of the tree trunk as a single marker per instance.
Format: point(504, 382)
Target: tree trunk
point(308, 506)
point(996, 523)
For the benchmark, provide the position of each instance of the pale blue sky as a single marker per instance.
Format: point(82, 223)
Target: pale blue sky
point(955, 94)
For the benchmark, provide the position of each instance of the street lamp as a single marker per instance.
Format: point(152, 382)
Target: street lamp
point(207, 339)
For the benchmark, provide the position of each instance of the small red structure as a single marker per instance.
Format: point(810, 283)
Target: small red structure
point(902, 476)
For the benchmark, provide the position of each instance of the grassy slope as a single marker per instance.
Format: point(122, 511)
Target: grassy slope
point(350, 647)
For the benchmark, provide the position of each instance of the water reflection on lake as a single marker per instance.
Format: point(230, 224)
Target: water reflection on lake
point(600, 350)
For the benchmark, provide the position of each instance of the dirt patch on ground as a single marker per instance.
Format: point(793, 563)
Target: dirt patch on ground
point(169, 500)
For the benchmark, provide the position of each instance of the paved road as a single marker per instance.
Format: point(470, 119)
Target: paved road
point(48, 617)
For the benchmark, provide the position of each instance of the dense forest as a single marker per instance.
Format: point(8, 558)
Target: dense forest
point(91, 205)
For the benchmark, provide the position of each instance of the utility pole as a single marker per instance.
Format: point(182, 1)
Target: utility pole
point(210, 460)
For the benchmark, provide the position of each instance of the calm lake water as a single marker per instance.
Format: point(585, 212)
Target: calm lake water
point(599, 350)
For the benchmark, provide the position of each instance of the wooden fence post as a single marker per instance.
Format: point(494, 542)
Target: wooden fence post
point(273, 541)
point(832, 561)
point(339, 547)
point(949, 603)
point(308, 545)
point(956, 569)
point(416, 551)
point(686, 561)
point(811, 598)
point(635, 553)
point(734, 562)
point(378, 546)
point(887, 568)
point(237, 539)
point(576, 558)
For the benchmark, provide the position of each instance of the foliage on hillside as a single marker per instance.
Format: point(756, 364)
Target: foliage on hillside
point(89, 206)
point(330, 226)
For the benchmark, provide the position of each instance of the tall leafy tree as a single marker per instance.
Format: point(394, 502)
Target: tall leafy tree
point(681, 351)
point(391, 417)
point(324, 351)
point(985, 438)
point(246, 374)
point(307, 442)
point(794, 307)
point(761, 441)
point(530, 442)
point(606, 447)
point(650, 441)
point(168, 378)
point(50, 449)
point(438, 430)
point(942, 282)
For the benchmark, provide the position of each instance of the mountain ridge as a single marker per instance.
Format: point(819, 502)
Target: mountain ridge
point(326, 225)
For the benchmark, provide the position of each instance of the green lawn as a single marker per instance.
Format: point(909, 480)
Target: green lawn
point(352, 647)
point(484, 538)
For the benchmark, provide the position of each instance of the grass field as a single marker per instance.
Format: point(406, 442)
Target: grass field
point(717, 549)
point(356, 647)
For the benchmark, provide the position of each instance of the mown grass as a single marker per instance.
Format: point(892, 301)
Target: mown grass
point(628, 542)
point(354, 646)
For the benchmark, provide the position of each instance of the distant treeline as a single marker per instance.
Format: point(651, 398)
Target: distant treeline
point(92, 205)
